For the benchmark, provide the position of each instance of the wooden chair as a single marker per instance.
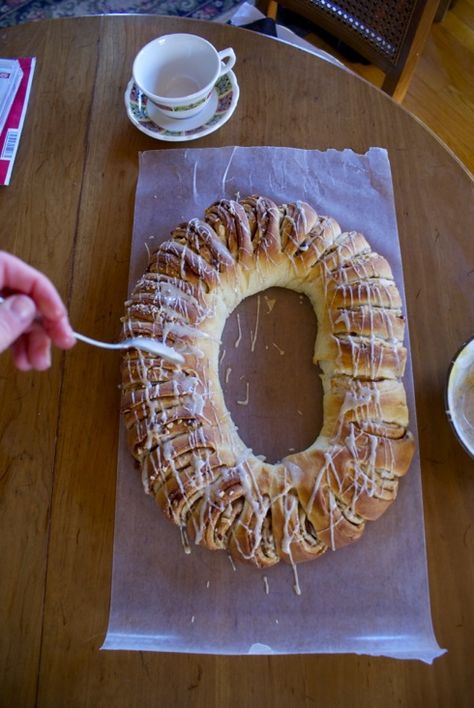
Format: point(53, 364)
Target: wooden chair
point(389, 33)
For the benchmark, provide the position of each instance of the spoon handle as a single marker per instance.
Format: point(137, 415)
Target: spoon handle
point(147, 345)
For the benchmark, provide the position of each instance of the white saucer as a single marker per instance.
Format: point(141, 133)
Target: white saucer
point(151, 121)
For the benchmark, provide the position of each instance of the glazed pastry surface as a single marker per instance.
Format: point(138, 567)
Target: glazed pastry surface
point(179, 430)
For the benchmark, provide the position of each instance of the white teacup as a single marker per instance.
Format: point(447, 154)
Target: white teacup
point(177, 72)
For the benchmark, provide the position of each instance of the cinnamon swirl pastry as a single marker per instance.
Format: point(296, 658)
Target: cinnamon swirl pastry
point(191, 458)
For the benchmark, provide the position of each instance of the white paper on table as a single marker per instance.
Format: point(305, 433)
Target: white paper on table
point(368, 598)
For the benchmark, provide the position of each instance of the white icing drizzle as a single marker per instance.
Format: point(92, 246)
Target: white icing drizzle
point(184, 541)
point(239, 336)
point(279, 349)
point(257, 320)
point(266, 585)
point(332, 508)
point(296, 583)
point(245, 402)
point(270, 303)
point(228, 373)
point(290, 504)
point(148, 250)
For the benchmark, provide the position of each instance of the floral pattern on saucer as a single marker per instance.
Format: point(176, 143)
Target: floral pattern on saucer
point(227, 96)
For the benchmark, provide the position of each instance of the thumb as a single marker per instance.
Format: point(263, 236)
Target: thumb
point(16, 315)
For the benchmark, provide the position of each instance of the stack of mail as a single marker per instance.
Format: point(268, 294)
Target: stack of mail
point(16, 76)
point(10, 78)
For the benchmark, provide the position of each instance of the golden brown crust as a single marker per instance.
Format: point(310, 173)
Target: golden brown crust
point(191, 458)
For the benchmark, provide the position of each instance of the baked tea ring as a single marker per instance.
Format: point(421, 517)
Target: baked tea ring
point(179, 430)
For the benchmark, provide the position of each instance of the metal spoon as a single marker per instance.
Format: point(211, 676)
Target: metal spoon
point(143, 343)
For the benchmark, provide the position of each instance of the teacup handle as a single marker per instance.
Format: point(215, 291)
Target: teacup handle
point(227, 59)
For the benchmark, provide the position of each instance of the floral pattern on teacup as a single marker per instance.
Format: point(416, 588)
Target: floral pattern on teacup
point(137, 104)
point(188, 107)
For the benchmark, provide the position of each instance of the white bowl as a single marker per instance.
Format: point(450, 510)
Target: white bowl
point(460, 396)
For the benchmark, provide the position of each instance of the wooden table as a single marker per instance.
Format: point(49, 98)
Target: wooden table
point(69, 212)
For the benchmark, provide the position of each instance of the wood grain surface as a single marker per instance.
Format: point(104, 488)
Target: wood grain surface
point(69, 211)
point(441, 90)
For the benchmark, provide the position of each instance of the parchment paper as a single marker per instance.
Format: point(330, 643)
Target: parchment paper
point(368, 598)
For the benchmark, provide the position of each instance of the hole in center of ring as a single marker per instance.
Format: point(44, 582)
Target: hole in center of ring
point(271, 386)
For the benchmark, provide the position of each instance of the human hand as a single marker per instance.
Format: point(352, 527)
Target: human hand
point(29, 295)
